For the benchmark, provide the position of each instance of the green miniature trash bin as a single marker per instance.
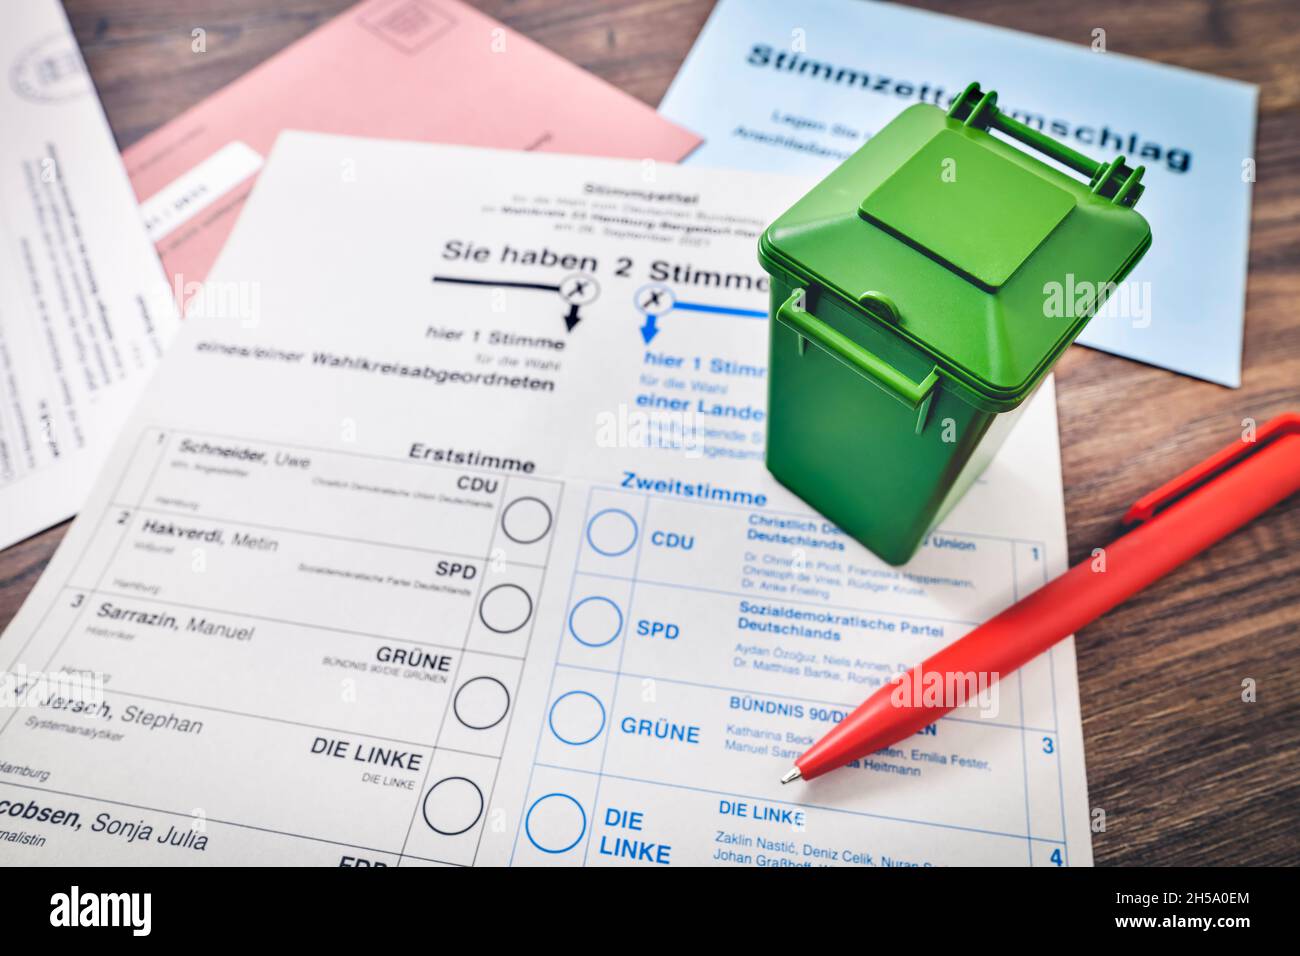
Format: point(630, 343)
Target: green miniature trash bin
point(920, 293)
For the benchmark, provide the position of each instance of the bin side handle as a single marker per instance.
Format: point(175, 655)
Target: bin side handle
point(915, 395)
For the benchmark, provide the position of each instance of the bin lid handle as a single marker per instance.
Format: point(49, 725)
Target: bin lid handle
point(1115, 180)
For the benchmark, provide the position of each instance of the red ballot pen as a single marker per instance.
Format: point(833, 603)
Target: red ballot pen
point(1173, 523)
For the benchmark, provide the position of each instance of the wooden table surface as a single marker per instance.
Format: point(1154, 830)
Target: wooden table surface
point(1185, 770)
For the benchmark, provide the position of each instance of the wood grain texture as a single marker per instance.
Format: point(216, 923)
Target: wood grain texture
point(1186, 772)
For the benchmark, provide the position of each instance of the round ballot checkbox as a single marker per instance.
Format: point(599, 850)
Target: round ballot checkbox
point(505, 608)
point(453, 805)
point(481, 703)
point(577, 718)
point(595, 621)
point(555, 823)
point(611, 532)
point(526, 520)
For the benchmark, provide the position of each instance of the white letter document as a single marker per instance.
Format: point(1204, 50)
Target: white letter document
point(442, 536)
point(84, 309)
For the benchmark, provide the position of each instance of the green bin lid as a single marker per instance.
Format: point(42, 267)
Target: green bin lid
point(988, 255)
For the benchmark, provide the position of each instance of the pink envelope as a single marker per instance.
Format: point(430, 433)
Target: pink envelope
point(400, 69)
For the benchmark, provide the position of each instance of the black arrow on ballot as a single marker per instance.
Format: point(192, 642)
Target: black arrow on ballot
point(572, 318)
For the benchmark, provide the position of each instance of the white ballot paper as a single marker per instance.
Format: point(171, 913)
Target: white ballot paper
point(394, 564)
point(84, 308)
point(797, 87)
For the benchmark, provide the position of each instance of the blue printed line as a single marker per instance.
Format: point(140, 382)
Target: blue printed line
point(752, 596)
point(975, 721)
point(550, 690)
point(613, 696)
point(806, 806)
point(707, 503)
point(719, 310)
point(1020, 694)
point(1056, 722)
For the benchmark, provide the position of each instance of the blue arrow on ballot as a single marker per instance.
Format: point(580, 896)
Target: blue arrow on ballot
point(648, 329)
point(657, 300)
